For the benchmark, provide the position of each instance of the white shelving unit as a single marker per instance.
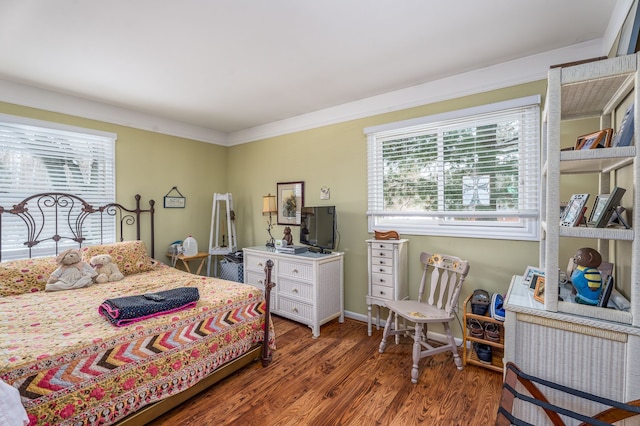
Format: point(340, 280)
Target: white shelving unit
point(597, 349)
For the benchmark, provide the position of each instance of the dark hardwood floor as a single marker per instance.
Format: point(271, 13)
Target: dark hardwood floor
point(341, 379)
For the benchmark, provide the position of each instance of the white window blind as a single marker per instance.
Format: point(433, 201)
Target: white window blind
point(38, 157)
point(473, 173)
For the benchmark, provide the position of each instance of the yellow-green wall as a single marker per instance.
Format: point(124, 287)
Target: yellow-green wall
point(333, 156)
point(150, 164)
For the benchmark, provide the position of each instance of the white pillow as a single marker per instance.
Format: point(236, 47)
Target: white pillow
point(12, 413)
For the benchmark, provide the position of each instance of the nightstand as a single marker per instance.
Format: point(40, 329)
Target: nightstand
point(186, 259)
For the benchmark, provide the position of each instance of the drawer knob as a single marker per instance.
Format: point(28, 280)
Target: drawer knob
point(294, 310)
point(294, 290)
point(381, 269)
point(381, 280)
point(382, 254)
point(382, 292)
point(295, 271)
point(260, 264)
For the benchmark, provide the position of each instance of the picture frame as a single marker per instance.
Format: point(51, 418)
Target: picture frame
point(598, 209)
point(574, 212)
point(529, 274)
point(606, 207)
point(630, 31)
point(591, 140)
point(174, 201)
point(290, 196)
point(538, 291)
point(624, 136)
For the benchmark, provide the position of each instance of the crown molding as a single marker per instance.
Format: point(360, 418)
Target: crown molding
point(519, 71)
point(498, 76)
point(33, 97)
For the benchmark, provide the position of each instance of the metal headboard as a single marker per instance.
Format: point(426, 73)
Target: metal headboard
point(68, 214)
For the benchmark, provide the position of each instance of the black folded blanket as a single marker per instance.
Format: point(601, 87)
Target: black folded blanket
point(122, 311)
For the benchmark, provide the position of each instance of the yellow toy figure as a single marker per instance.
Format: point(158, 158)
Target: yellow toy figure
point(586, 277)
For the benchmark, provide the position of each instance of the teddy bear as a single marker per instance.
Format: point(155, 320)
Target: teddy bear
point(287, 236)
point(105, 269)
point(586, 277)
point(71, 273)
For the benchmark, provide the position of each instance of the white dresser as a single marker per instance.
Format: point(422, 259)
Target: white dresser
point(309, 287)
point(387, 261)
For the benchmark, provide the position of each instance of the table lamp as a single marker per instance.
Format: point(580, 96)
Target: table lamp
point(268, 208)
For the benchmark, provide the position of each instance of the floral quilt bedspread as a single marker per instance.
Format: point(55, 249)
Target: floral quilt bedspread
point(72, 366)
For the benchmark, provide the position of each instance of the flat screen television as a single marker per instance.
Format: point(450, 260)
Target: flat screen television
point(318, 227)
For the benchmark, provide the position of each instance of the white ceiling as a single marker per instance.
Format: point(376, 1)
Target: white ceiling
point(232, 66)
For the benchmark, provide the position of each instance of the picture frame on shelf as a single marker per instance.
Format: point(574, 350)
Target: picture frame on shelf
point(607, 204)
point(529, 274)
point(538, 291)
point(574, 212)
point(290, 197)
point(591, 140)
point(598, 209)
point(624, 135)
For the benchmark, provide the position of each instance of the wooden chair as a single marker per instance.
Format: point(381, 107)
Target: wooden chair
point(513, 375)
point(437, 300)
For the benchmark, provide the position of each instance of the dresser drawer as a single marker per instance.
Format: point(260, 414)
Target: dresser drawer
point(296, 289)
point(381, 246)
point(385, 280)
point(381, 261)
point(382, 292)
point(294, 308)
point(256, 263)
point(382, 269)
point(297, 271)
point(256, 279)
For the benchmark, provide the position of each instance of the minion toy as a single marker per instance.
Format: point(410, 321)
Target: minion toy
point(586, 278)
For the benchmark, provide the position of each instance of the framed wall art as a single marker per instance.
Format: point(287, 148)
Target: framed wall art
point(177, 201)
point(290, 202)
point(574, 212)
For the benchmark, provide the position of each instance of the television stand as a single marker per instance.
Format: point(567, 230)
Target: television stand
point(309, 288)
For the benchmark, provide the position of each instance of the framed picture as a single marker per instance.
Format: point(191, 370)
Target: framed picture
point(605, 205)
point(629, 32)
point(177, 201)
point(574, 212)
point(624, 136)
point(538, 291)
point(591, 140)
point(529, 273)
point(290, 203)
point(598, 208)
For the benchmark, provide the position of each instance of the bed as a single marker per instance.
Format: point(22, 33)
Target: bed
point(72, 366)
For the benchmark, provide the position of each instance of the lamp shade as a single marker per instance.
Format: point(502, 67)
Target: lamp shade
point(269, 204)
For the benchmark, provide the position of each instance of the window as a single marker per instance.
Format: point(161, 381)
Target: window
point(472, 173)
point(38, 156)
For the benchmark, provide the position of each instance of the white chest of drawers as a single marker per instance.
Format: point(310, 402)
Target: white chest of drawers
point(387, 261)
point(309, 287)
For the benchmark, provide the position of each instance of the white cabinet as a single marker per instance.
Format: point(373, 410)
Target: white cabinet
point(594, 349)
point(387, 261)
point(309, 287)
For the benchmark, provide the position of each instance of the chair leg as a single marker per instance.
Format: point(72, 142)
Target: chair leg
point(417, 348)
point(386, 332)
point(454, 348)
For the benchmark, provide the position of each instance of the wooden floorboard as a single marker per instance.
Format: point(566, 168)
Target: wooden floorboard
point(341, 379)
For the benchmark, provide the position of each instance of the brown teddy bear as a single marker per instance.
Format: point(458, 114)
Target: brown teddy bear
point(105, 269)
point(72, 272)
point(288, 238)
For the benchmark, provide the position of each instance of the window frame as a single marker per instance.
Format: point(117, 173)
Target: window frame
point(94, 181)
point(527, 225)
